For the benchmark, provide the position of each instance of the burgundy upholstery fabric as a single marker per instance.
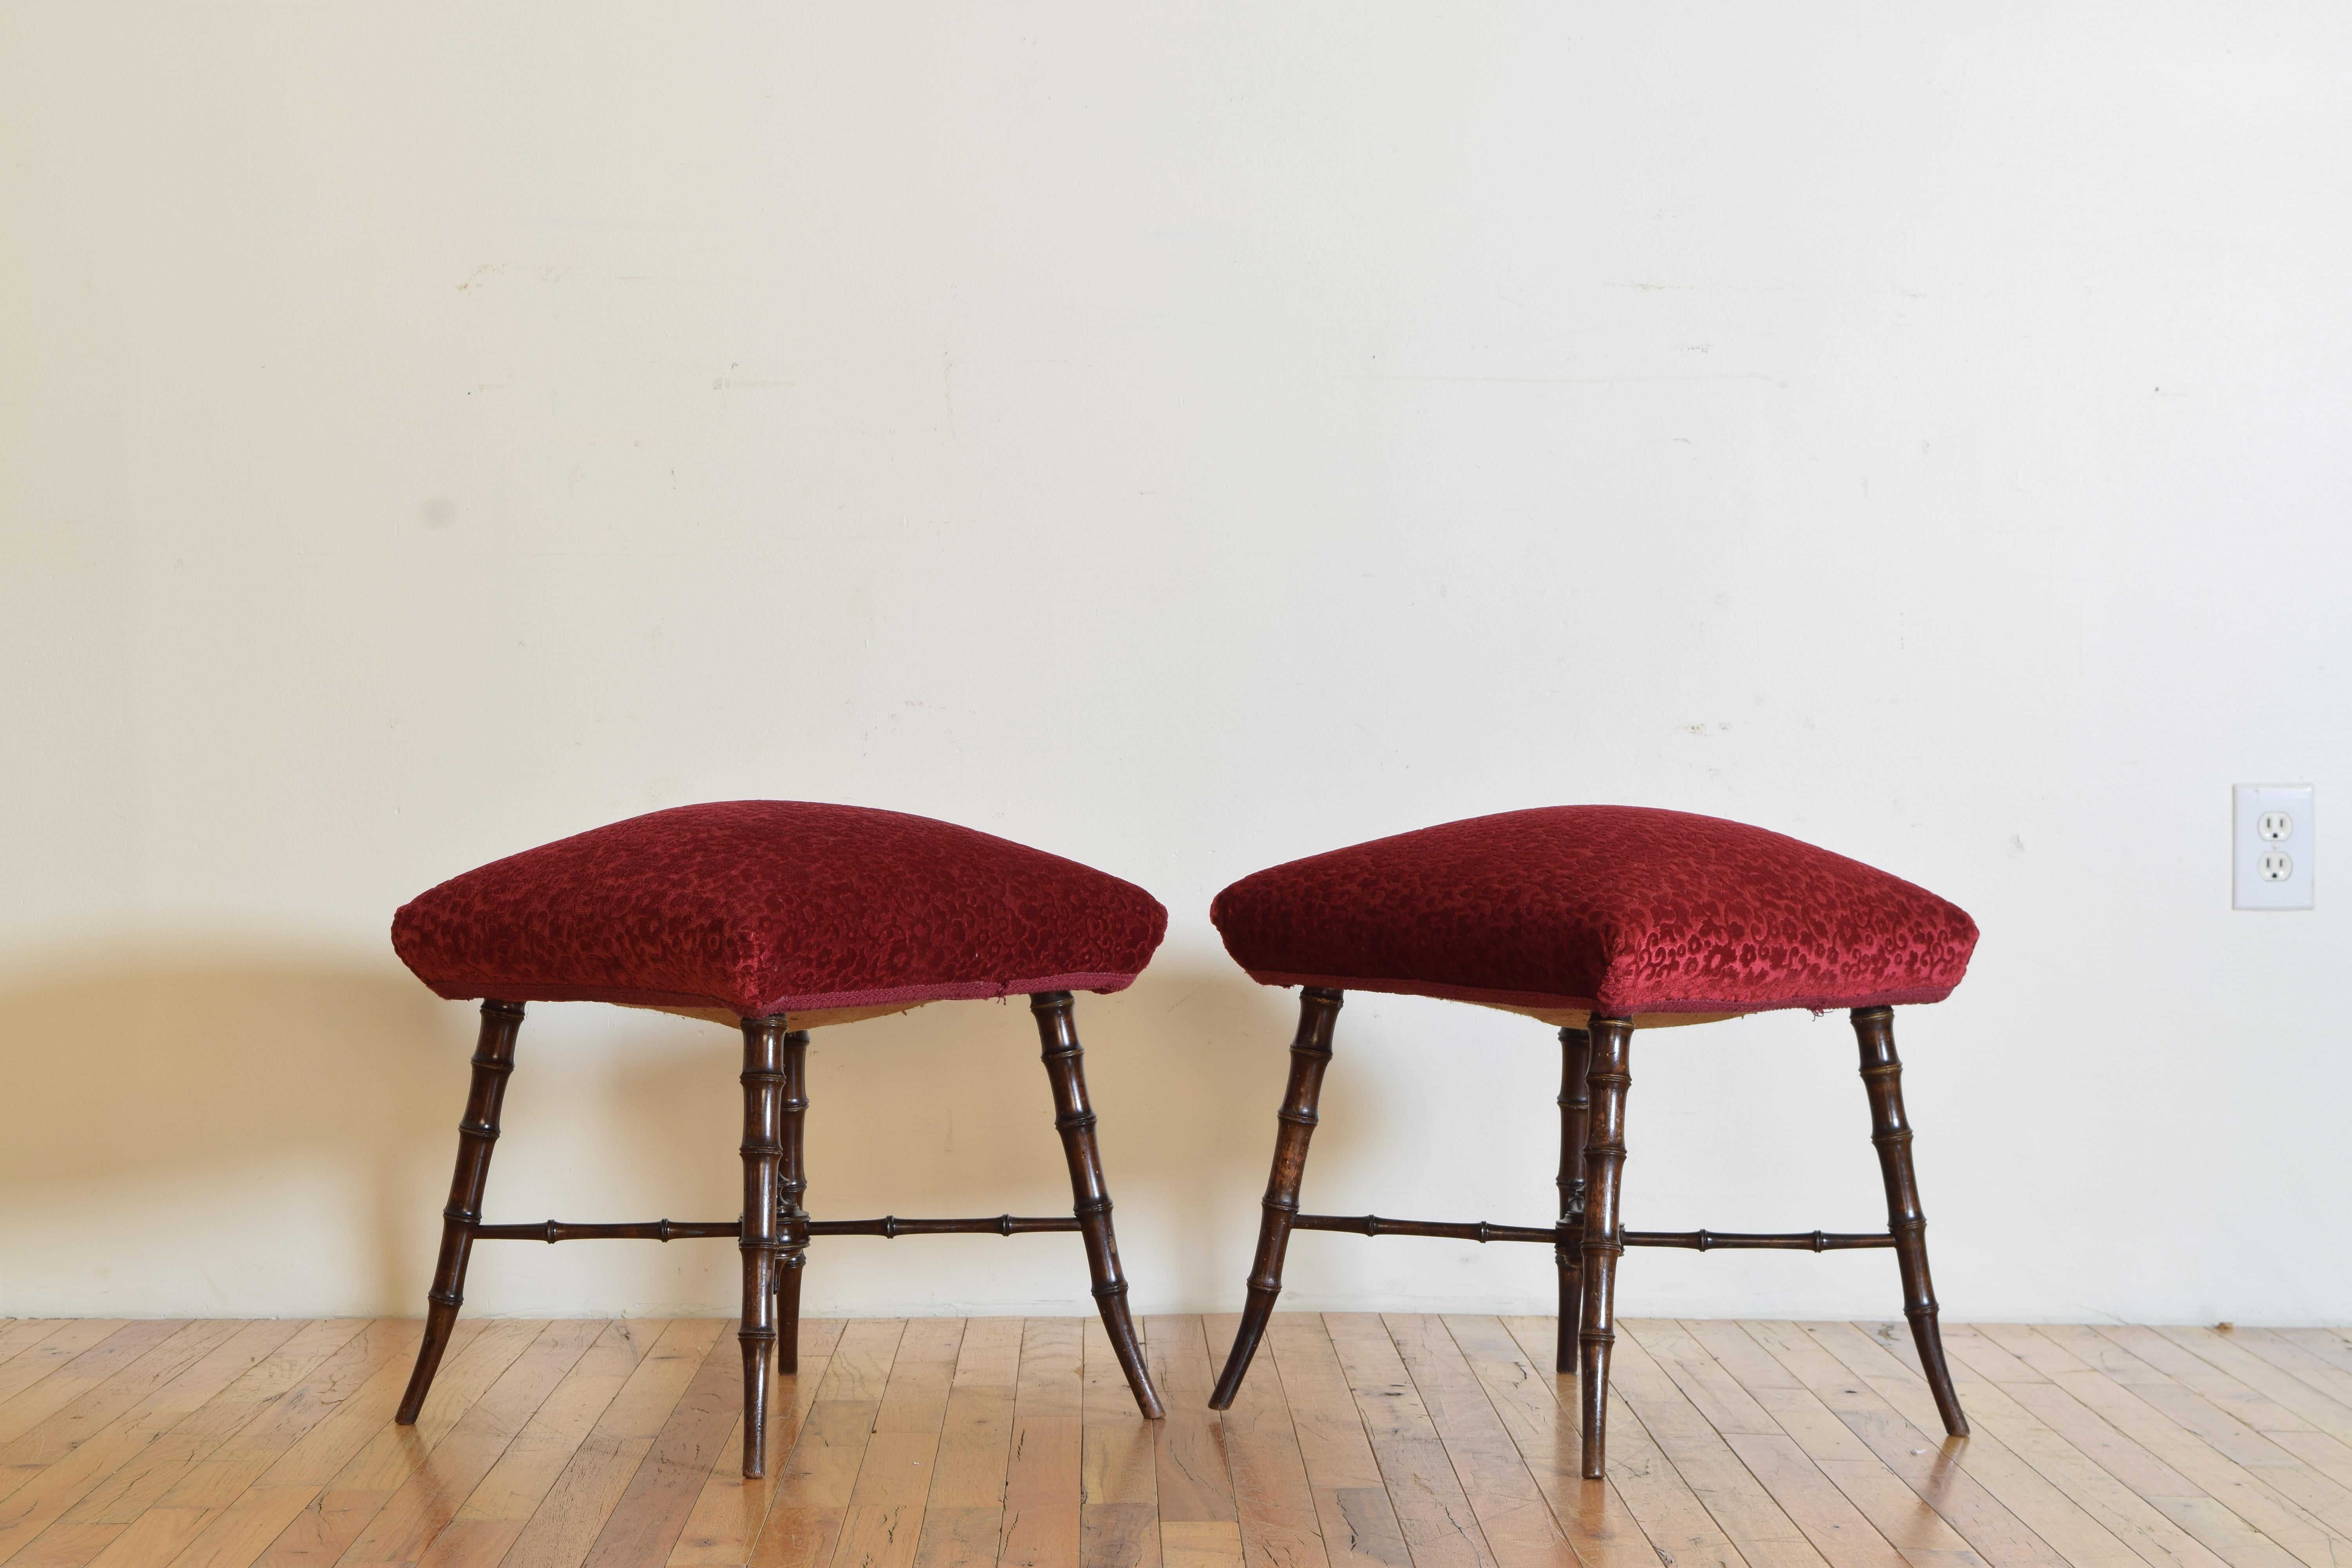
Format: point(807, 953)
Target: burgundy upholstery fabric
point(774, 906)
point(1614, 907)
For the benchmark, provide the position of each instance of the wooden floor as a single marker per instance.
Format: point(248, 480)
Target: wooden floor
point(1359, 1442)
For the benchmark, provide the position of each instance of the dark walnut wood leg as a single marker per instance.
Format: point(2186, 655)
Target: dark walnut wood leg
point(493, 1061)
point(792, 1219)
point(1575, 1102)
point(763, 1084)
point(1310, 1053)
point(1881, 1075)
point(1057, 1034)
point(1603, 1243)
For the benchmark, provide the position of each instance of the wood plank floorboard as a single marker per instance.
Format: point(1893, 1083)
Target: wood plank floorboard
point(1756, 1518)
point(1655, 1493)
point(1510, 1508)
point(1784, 1475)
point(1929, 1466)
point(1441, 1531)
point(1357, 1441)
point(1044, 1485)
point(1274, 1504)
point(1118, 1482)
point(1359, 1524)
point(726, 1518)
point(2237, 1475)
point(1537, 1407)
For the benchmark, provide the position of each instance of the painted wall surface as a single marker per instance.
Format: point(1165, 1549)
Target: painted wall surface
point(1183, 440)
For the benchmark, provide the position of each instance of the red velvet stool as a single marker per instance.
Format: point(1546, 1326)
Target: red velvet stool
point(1598, 920)
point(778, 916)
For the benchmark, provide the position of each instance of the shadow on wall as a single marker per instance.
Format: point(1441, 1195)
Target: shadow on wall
point(945, 1111)
point(154, 1076)
point(154, 1085)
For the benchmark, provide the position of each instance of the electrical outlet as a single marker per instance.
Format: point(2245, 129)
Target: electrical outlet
point(2275, 843)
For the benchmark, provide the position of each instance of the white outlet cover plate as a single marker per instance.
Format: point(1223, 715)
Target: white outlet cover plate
point(2248, 846)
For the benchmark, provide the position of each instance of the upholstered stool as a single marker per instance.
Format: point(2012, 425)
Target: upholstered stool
point(783, 917)
point(1598, 920)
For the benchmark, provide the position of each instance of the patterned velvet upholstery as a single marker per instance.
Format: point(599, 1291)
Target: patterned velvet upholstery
point(1614, 908)
point(758, 907)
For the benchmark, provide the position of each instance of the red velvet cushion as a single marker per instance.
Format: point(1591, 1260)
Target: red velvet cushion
point(1614, 907)
point(776, 906)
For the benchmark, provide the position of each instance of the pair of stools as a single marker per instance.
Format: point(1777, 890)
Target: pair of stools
point(781, 917)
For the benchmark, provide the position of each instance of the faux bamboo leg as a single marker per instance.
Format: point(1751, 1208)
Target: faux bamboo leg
point(1575, 1103)
point(763, 1082)
point(1604, 1166)
point(1881, 1075)
point(493, 1061)
point(1058, 1035)
point(793, 1180)
point(1310, 1053)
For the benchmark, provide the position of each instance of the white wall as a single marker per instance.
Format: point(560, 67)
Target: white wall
point(1183, 439)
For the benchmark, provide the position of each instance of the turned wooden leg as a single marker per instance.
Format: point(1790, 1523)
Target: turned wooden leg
point(1310, 1053)
point(763, 1082)
point(1604, 1167)
point(792, 1219)
point(1575, 1102)
point(1057, 1034)
point(1881, 1075)
point(493, 1061)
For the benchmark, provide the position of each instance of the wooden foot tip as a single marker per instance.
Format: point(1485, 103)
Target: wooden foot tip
point(1229, 1387)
